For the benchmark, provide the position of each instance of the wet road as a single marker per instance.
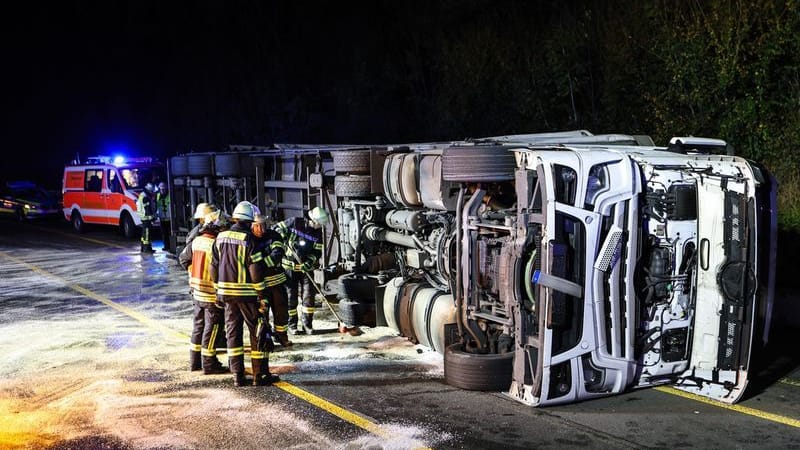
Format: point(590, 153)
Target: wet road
point(94, 345)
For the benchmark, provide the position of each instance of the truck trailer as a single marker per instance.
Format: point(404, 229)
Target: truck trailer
point(556, 267)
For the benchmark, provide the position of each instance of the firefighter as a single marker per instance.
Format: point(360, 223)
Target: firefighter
point(303, 240)
point(163, 213)
point(237, 269)
point(200, 213)
point(272, 250)
point(146, 208)
point(208, 318)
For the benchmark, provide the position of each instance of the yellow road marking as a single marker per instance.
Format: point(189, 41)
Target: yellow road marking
point(96, 241)
point(100, 298)
point(789, 381)
point(319, 402)
point(738, 408)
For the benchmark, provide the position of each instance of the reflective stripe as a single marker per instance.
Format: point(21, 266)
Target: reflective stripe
point(268, 261)
point(242, 272)
point(256, 257)
point(275, 280)
point(292, 312)
point(238, 351)
point(254, 354)
point(195, 347)
point(238, 292)
point(204, 297)
point(276, 244)
point(281, 328)
point(307, 309)
point(212, 350)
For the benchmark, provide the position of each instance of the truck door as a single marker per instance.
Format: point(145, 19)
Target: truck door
point(113, 195)
point(94, 199)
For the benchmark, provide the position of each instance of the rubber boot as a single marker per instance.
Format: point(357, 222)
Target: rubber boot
point(283, 339)
point(265, 378)
point(239, 380)
point(194, 361)
point(212, 366)
point(306, 320)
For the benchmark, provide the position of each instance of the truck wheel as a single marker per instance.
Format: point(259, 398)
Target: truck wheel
point(77, 222)
point(351, 185)
point(355, 314)
point(127, 226)
point(359, 288)
point(476, 164)
point(477, 372)
point(351, 161)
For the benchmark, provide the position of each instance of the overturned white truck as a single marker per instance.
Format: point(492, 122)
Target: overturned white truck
point(556, 267)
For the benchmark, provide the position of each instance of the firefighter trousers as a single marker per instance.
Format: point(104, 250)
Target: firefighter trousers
point(240, 312)
point(279, 304)
point(208, 324)
point(146, 225)
point(300, 287)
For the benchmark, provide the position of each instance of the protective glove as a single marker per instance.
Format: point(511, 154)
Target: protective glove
point(306, 266)
point(265, 343)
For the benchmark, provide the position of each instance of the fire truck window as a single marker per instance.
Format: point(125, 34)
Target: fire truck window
point(94, 180)
point(113, 182)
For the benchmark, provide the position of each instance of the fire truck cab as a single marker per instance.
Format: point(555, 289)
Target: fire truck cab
point(103, 190)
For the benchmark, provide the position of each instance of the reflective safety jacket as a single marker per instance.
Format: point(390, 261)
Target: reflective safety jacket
point(237, 266)
point(272, 250)
point(162, 206)
point(303, 244)
point(199, 254)
point(145, 206)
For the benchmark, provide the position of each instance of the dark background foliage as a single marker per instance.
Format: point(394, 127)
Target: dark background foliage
point(158, 78)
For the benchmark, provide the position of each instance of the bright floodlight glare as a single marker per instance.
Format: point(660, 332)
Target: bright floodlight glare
point(119, 160)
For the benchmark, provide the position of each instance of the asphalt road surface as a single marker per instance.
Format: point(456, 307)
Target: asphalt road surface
point(94, 354)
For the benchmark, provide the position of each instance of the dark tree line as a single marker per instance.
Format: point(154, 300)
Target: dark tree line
point(178, 76)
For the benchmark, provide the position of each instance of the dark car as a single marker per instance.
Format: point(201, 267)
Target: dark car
point(26, 200)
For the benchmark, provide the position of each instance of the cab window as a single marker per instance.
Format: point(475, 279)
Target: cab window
point(114, 184)
point(94, 180)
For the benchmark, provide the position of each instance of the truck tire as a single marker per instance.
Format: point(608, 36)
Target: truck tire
point(127, 226)
point(477, 372)
point(77, 222)
point(199, 165)
point(227, 165)
point(359, 288)
point(179, 166)
point(351, 185)
point(476, 164)
point(353, 162)
point(354, 313)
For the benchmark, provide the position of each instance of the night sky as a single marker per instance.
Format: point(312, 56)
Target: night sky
point(159, 78)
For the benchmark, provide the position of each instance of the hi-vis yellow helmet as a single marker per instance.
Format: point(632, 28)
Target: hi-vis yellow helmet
point(319, 215)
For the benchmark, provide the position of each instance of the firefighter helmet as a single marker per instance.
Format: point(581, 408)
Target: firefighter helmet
point(203, 209)
point(244, 211)
point(319, 215)
point(149, 187)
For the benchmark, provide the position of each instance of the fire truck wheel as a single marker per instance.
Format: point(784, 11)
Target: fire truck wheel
point(77, 222)
point(477, 372)
point(127, 226)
